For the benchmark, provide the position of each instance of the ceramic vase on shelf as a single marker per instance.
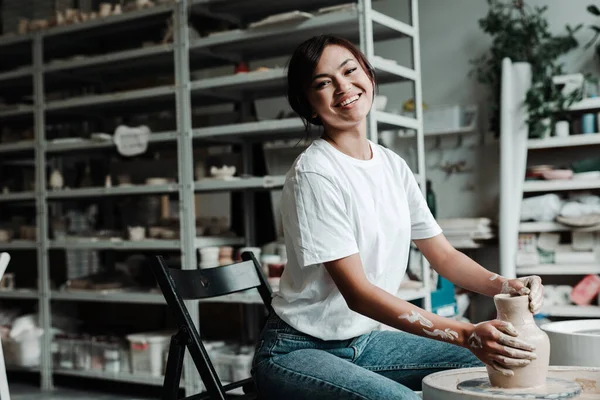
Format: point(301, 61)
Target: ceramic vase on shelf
point(516, 311)
point(56, 180)
point(547, 126)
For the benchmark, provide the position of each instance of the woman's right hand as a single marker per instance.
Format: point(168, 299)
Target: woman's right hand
point(495, 343)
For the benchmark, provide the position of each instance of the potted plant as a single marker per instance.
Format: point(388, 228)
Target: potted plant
point(522, 34)
point(594, 10)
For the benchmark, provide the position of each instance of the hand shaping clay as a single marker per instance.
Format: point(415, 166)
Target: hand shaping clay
point(516, 311)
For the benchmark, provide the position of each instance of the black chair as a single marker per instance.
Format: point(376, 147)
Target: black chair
point(178, 285)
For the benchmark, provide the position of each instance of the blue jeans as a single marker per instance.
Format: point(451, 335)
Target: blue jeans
point(291, 365)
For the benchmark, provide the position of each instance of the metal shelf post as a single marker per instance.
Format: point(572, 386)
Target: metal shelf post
point(42, 213)
point(185, 160)
point(421, 169)
point(365, 24)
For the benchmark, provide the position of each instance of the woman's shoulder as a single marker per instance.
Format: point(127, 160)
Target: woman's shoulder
point(314, 160)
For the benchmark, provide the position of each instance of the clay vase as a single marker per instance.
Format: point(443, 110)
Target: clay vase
point(516, 311)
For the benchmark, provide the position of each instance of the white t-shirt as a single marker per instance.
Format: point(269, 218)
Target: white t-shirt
point(333, 206)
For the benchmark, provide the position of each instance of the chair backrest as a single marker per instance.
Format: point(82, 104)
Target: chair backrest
point(178, 285)
point(197, 284)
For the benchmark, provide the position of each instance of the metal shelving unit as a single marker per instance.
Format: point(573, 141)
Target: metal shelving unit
point(17, 196)
point(136, 57)
point(19, 294)
point(112, 191)
point(17, 112)
point(569, 141)
point(108, 296)
point(18, 245)
point(361, 24)
point(572, 311)
point(559, 269)
point(25, 145)
point(266, 182)
point(58, 146)
point(560, 185)
point(164, 93)
point(538, 227)
point(146, 244)
point(16, 74)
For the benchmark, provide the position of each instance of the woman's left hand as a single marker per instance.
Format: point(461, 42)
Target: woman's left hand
point(528, 285)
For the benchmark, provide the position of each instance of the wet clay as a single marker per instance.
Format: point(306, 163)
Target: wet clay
point(516, 311)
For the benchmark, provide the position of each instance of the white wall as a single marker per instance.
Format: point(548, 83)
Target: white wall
point(450, 37)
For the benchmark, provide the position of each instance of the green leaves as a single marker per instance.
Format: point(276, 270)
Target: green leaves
point(522, 33)
point(593, 10)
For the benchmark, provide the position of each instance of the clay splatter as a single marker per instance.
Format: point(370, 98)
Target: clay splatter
point(510, 328)
point(416, 317)
point(475, 341)
point(447, 333)
point(494, 277)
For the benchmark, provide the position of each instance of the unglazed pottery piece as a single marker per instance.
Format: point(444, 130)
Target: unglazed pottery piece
point(516, 311)
point(470, 384)
point(56, 180)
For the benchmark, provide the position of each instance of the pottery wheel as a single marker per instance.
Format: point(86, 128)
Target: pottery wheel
point(580, 383)
point(555, 389)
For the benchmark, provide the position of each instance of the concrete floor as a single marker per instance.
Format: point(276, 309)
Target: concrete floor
point(20, 391)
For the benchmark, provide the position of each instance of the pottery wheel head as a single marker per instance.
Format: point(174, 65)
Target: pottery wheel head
point(555, 389)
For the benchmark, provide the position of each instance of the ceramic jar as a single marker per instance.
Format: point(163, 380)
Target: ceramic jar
point(516, 311)
point(225, 255)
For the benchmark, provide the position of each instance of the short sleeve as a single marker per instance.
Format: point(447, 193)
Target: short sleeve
point(423, 224)
point(315, 219)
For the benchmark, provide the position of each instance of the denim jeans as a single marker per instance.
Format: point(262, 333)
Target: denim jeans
point(387, 365)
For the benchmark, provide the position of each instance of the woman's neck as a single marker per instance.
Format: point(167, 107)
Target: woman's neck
point(353, 142)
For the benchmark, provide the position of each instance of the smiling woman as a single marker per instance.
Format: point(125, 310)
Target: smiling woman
point(315, 72)
point(350, 209)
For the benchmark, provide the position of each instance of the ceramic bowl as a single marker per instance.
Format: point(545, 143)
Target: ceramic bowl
point(155, 232)
point(223, 172)
point(156, 181)
point(574, 343)
point(5, 235)
point(136, 233)
point(380, 102)
point(557, 174)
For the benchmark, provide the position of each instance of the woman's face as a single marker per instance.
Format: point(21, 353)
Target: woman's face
point(341, 92)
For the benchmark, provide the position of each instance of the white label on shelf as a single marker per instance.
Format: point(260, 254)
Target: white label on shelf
point(132, 141)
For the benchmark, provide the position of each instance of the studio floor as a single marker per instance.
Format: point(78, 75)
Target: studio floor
point(19, 391)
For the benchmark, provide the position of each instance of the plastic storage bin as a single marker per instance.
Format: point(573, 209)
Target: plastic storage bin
point(25, 351)
point(231, 362)
point(147, 351)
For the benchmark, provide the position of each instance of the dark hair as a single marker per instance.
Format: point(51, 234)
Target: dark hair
point(302, 65)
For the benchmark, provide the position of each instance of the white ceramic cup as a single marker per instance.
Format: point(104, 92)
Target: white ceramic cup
point(561, 129)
